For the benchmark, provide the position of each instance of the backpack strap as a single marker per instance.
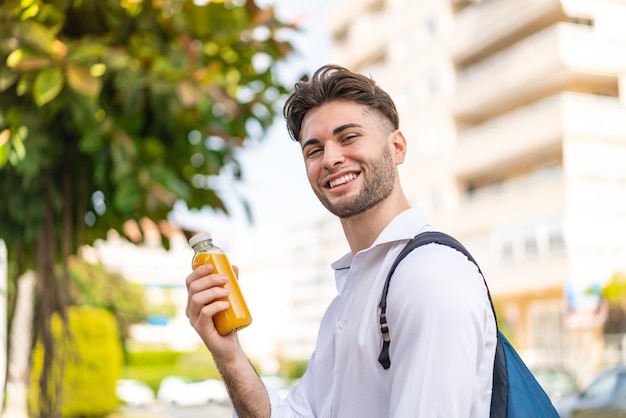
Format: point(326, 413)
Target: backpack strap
point(424, 238)
point(500, 385)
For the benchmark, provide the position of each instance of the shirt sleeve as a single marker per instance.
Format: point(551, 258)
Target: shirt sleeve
point(442, 329)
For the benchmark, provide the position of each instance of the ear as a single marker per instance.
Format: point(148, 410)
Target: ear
point(398, 142)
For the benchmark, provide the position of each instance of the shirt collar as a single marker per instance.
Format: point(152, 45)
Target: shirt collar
point(403, 227)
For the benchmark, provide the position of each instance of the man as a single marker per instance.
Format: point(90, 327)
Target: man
point(442, 327)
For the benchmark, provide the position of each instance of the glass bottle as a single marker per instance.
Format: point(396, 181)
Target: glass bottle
point(237, 316)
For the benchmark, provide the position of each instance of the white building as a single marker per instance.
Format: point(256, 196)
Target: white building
point(515, 112)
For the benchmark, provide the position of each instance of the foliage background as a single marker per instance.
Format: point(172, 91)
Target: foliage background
point(112, 111)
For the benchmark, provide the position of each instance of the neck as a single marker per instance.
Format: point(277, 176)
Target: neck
point(362, 230)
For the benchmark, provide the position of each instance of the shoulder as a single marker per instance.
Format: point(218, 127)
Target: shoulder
point(436, 275)
point(438, 261)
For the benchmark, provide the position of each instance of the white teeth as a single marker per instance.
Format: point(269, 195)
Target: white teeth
point(342, 180)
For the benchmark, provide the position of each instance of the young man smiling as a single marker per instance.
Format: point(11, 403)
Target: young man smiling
point(442, 326)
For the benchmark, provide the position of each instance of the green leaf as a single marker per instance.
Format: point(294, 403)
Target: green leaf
point(14, 58)
point(37, 36)
point(88, 52)
point(91, 142)
point(48, 85)
point(128, 195)
point(5, 136)
point(80, 79)
point(4, 153)
point(7, 78)
point(16, 151)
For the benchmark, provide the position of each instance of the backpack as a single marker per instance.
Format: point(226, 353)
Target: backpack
point(515, 393)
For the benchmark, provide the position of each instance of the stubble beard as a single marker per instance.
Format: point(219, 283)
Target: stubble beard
point(377, 187)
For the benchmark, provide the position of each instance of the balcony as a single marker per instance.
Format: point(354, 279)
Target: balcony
point(482, 29)
point(518, 206)
point(542, 191)
point(562, 57)
point(458, 5)
point(344, 13)
point(360, 44)
point(534, 278)
point(524, 135)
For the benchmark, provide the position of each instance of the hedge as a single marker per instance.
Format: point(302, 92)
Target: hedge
point(87, 360)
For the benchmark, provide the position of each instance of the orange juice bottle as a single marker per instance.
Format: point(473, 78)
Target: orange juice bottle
point(237, 316)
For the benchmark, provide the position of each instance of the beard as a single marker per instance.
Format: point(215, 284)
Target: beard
point(378, 185)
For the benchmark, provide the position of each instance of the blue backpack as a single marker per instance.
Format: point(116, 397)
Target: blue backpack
point(516, 393)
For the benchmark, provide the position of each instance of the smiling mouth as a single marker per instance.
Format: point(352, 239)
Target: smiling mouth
point(341, 180)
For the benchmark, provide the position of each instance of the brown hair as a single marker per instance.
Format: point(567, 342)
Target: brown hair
point(334, 83)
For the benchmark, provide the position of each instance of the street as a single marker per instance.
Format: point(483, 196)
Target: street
point(159, 410)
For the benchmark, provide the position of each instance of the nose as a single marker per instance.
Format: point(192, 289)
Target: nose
point(333, 155)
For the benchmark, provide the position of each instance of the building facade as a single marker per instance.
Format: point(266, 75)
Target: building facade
point(515, 113)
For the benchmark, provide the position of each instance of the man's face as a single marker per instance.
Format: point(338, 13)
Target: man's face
point(348, 157)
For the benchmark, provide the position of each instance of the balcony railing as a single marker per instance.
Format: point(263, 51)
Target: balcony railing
point(343, 14)
point(535, 130)
point(360, 43)
point(562, 57)
point(488, 26)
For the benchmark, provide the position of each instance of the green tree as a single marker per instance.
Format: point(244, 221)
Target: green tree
point(614, 292)
point(91, 285)
point(113, 110)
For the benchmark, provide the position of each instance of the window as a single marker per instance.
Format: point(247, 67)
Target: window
point(507, 251)
point(531, 249)
point(581, 21)
point(546, 329)
point(556, 242)
point(431, 26)
point(433, 85)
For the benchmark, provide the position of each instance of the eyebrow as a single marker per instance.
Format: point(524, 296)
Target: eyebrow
point(336, 131)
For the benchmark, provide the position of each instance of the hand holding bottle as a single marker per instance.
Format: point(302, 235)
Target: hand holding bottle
point(236, 316)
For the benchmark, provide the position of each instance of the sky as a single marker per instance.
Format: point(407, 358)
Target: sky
point(275, 183)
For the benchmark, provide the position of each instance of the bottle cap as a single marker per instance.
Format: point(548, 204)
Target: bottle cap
point(202, 236)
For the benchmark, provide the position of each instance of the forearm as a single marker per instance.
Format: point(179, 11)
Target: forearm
point(246, 390)
point(205, 293)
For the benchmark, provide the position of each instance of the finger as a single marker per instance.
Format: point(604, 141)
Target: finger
point(197, 300)
point(206, 282)
point(205, 315)
point(198, 273)
point(203, 322)
point(201, 318)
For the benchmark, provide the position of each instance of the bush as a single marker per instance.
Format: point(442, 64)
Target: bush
point(87, 362)
point(292, 369)
point(151, 366)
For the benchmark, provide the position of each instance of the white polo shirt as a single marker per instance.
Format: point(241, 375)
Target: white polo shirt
point(443, 336)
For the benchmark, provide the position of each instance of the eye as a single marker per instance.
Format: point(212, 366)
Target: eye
point(312, 152)
point(349, 138)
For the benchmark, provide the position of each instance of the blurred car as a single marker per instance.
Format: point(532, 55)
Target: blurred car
point(558, 383)
point(134, 392)
point(181, 391)
point(604, 397)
